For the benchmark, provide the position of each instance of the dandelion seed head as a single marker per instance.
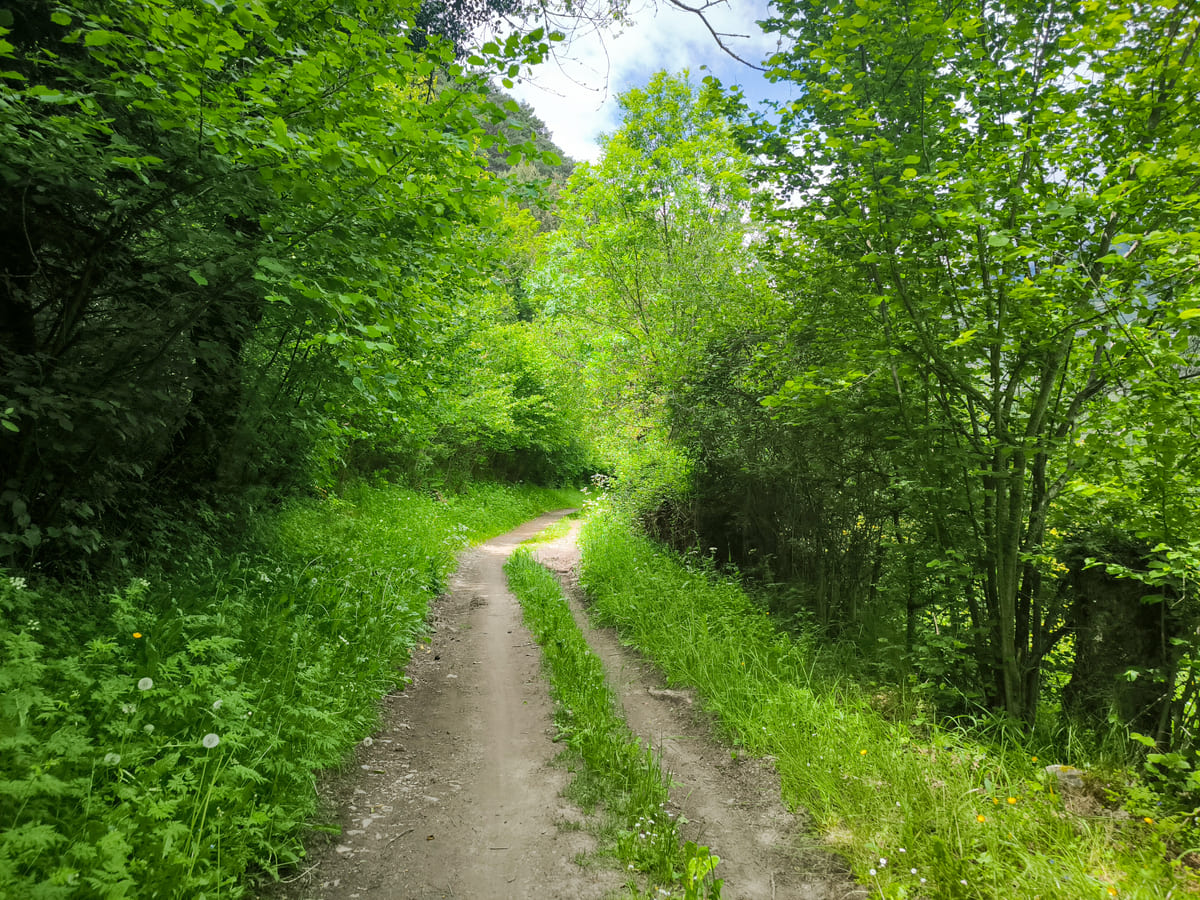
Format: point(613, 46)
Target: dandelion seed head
point(111, 759)
point(217, 704)
point(145, 684)
point(871, 871)
point(149, 729)
point(210, 740)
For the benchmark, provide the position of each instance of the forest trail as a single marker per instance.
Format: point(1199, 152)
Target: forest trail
point(456, 796)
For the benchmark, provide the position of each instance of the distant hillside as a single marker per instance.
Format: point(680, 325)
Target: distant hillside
point(522, 126)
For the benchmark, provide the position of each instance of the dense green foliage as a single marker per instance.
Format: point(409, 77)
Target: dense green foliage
point(916, 353)
point(166, 744)
point(1009, 194)
point(936, 386)
point(247, 247)
point(917, 810)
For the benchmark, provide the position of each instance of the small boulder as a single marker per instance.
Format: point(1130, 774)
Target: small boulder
point(1068, 778)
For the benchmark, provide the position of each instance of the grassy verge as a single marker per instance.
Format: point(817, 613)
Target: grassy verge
point(613, 766)
point(924, 812)
point(163, 742)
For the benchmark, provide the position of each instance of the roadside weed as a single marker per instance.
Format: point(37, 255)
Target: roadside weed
point(162, 741)
point(916, 811)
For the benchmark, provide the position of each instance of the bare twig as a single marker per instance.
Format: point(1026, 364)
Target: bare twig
point(718, 36)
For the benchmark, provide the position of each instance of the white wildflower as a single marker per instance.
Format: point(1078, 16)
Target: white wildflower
point(18, 583)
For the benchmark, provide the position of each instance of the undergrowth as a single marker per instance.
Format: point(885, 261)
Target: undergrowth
point(917, 812)
point(162, 742)
point(617, 770)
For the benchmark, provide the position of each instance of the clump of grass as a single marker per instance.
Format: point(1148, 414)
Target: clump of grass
point(916, 814)
point(614, 767)
point(555, 530)
point(164, 742)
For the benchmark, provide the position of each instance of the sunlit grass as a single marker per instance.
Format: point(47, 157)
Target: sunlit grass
point(166, 742)
point(916, 813)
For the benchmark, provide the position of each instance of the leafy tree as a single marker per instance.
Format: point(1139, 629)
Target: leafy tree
point(655, 231)
point(1013, 186)
point(210, 206)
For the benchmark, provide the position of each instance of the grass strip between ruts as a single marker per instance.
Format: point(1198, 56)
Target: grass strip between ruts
point(612, 765)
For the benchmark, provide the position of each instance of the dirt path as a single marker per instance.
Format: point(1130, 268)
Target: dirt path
point(733, 806)
point(456, 796)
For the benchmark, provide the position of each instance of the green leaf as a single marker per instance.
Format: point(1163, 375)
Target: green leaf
point(998, 240)
point(58, 18)
point(11, 426)
point(965, 337)
point(99, 38)
point(1189, 313)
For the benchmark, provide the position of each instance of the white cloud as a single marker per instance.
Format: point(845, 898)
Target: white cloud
point(574, 93)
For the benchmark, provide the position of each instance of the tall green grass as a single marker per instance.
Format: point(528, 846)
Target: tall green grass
point(164, 742)
point(614, 766)
point(916, 812)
